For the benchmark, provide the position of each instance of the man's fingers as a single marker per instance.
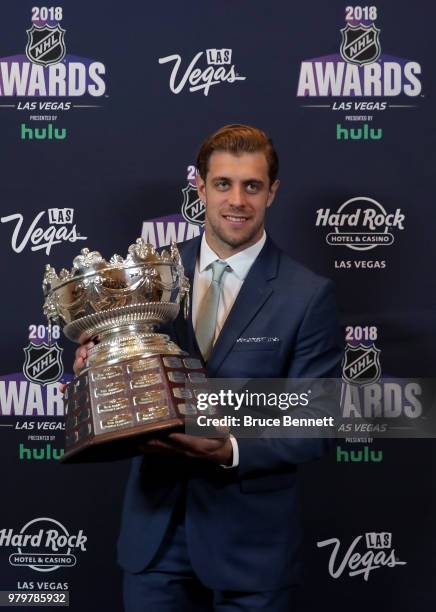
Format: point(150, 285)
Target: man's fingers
point(193, 441)
point(195, 446)
point(158, 447)
point(158, 444)
point(78, 365)
point(82, 351)
point(184, 441)
point(81, 355)
point(149, 446)
point(223, 429)
point(84, 339)
point(189, 446)
point(172, 446)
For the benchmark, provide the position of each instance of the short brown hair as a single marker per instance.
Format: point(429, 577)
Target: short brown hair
point(237, 138)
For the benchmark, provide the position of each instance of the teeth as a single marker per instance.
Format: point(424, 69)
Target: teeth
point(237, 219)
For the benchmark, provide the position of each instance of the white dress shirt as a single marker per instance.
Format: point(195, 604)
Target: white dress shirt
point(231, 284)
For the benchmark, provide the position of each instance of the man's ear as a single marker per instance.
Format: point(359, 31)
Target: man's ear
point(201, 187)
point(272, 192)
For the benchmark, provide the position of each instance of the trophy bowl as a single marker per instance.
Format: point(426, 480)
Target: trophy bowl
point(136, 381)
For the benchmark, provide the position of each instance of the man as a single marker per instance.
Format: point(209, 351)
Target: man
point(213, 524)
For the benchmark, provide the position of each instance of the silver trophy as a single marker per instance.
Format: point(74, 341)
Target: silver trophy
point(136, 380)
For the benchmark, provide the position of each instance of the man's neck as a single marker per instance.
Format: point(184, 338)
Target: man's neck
point(223, 250)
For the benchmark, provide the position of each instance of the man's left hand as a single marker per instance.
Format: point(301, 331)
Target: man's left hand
point(217, 450)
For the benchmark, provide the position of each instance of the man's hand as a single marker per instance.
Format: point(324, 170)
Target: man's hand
point(217, 450)
point(79, 360)
point(81, 356)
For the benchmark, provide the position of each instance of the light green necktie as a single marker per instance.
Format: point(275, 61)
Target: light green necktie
point(207, 315)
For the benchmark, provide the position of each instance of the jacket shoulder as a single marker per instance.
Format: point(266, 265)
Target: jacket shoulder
point(292, 274)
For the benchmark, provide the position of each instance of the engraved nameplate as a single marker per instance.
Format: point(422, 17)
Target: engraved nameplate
point(118, 420)
point(187, 409)
point(177, 377)
point(182, 393)
point(192, 364)
point(152, 413)
point(117, 403)
point(172, 362)
point(197, 377)
point(109, 389)
point(107, 373)
point(145, 381)
point(150, 397)
point(143, 364)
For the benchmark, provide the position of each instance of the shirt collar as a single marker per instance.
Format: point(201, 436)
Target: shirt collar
point(239, 263)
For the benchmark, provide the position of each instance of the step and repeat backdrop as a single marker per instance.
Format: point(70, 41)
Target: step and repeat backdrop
point(102, 108)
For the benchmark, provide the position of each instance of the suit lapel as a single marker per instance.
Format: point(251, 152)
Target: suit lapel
point(254, 292)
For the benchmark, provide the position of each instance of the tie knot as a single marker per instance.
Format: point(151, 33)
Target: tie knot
point(218, 269)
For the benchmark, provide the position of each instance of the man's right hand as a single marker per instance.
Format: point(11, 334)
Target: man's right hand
point(79, 360)
point(81, 356)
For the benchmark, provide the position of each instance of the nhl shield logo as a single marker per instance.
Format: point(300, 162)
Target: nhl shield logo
point(361, 364)
point(192, 207)
point(43, 363)
point(360, 44)
point(46, 44)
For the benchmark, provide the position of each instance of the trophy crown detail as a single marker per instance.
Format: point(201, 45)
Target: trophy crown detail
point(92, 261)
point(145, 286)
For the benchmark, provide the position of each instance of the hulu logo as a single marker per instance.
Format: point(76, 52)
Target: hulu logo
point(364, 455)
point(362, 133)
point(45, 133)
point(40, 454)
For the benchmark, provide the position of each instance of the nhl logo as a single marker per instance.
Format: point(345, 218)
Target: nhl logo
point(45, 45)
point(361, 364)
point(43, 363)
point(360, 44)
point(192, 207)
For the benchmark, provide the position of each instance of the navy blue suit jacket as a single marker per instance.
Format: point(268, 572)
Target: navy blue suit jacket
point(243, 524)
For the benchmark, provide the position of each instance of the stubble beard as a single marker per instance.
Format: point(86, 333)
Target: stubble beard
point(233, 241)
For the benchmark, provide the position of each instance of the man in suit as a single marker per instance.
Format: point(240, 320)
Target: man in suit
point(214, 523)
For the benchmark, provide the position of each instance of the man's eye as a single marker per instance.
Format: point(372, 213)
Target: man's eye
point(252, 187)
point(221, 184)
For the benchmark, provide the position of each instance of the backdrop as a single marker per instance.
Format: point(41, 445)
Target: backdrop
point(102, 108)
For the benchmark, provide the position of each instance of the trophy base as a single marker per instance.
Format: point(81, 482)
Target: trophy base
point(111, 409)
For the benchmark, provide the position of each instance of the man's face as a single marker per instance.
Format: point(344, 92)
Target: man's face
point(236, 193)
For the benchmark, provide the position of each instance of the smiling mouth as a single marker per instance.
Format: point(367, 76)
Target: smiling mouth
point(235, 219)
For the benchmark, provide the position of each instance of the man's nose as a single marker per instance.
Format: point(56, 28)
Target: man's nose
point(237, 195)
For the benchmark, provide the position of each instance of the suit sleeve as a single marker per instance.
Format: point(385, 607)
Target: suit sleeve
point(317, 353)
